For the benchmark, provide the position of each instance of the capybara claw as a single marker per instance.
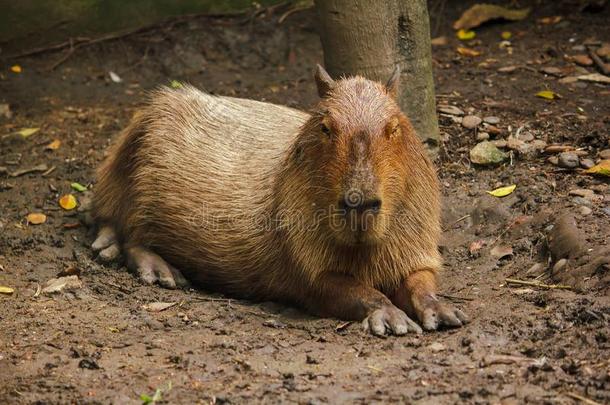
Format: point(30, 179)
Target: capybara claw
point(151, 268)
point(436, 314)
point(390, 320)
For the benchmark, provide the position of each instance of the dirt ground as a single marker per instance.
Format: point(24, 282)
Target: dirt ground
point(98, 344)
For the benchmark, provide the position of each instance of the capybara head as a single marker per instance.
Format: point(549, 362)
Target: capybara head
point(355, 151)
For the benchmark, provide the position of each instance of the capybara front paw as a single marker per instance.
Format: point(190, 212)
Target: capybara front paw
point(433, 313)
point(391, 320)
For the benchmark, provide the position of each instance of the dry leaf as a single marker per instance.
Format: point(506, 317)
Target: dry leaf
point(594, 77)
point(550, 20)
point(503, 191)
point(36, 218)
point(439, 41)
point(158, 306)
point(114, 77)
point(465, 35)
point(68, 202)
point(53, 145)
point(6, 290)
point(467, 52)
point(480, 13)
point(548, 94)
point(16, 69)
point(602, 168)
point(506, 35)
point(26, 132)
point(476, 246)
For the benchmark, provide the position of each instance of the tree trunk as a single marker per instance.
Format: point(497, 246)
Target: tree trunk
point(371, 37)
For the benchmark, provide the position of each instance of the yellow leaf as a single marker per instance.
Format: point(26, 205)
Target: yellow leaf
point(36, 218)
point(68, 202)
point(467, 52)
point(465, 35)
point(506, 35)
point(16, 69)
point(26, 132)
point(6, 290)
point(53, 145)
point(602, 168)
point(549, 95)
point(503, 191)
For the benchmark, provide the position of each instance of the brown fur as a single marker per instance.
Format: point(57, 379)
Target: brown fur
point(227, 191)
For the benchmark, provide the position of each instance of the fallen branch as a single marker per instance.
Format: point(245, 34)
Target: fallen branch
point(537, 284)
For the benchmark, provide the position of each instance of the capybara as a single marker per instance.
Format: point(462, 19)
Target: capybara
point(336, 211)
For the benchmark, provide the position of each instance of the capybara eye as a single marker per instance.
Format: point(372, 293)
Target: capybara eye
point(325, 129)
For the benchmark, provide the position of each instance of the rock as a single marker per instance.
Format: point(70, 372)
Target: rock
point(587, 163)
point(486, 153)
point(554, 160)
point(526, 136)
point(450, 109)
point(62, 284)
point(568, 160)
point(604, 154)
point(552, 71)
point(514, 143)
point(471, 121)
point(491, 120)
point(582, 192)
point(568, 79)
point(499, 143)
point(482, 136)
point(581, 201)
point(437, 347)
point(582, 60)
point(538, 144)
point(584, 210)
point(5, 111)
point(501, 252)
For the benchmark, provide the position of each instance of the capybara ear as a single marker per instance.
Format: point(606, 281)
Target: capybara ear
point(324, 82)
point(392, 84)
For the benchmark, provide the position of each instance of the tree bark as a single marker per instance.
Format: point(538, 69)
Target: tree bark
point(370, 38)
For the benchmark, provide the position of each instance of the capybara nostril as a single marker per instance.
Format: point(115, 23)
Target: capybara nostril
point(372, 205)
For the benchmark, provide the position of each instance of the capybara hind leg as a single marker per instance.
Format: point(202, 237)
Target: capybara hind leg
point(344, 297)
point(417, 297)
point(106, 244)
point(152, 268)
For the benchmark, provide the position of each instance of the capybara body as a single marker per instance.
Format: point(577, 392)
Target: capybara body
point(336, 210)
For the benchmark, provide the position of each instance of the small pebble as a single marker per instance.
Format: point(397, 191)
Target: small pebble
point(492, 120)
point(587, 163)
point(526, 136)
point(584, 210)
point(604, 154)
point(482, 136)
point(582, 192)
point(568, 160)
point(538, 144)
point(450, 109)
point(554, 160)
point(471, 121)
point(499, 143)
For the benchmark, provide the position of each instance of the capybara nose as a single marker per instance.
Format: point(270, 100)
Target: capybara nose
point(360, 206)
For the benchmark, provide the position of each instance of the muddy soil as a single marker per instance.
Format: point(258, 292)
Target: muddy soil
point(99, 344)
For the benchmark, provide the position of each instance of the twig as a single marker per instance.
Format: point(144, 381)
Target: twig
point(455, 297)
point(456, 222)
point(291, 12)
point(600, 63)
point(582, 399)
point(537, 284)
